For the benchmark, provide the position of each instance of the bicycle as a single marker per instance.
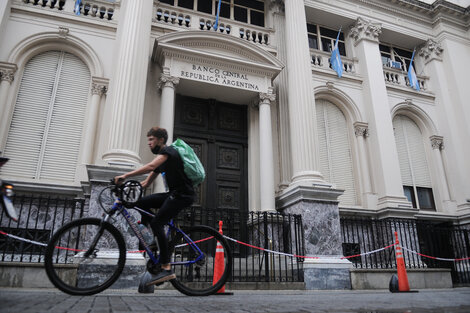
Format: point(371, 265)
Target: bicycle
point(94, 251)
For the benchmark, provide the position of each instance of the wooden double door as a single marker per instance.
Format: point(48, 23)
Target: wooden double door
point(218, 134)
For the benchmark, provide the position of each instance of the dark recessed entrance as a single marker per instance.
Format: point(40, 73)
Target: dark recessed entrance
point(218, 134)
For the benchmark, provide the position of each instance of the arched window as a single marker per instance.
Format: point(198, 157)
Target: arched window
point(46, 128)
point(413, 165)
point(335, 150)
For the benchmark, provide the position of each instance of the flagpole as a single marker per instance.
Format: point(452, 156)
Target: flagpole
point(216, 24)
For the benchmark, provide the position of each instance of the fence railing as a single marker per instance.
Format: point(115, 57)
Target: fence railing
point(274, 231)
point(39, 217)
point(425, 237)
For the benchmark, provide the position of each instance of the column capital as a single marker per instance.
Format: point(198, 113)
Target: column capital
point(99, 86)
point(266, 98)
point(361, 129)
point(277, 6)
point(365, 30)
point(431, 50)
point(437, 142)
point(168, 81)
point(7, 71)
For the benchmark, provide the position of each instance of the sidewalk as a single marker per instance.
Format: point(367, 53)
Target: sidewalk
point(455, 300)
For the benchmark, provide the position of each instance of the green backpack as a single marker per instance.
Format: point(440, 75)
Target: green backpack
point(192, 166)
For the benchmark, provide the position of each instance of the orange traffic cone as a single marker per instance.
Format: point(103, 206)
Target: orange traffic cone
point(403, 285)
point(219, 265)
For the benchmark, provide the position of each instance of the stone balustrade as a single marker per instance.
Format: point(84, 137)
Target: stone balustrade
point(397, 77)
point(99, 9)
point(321, 60)
point(192, 20)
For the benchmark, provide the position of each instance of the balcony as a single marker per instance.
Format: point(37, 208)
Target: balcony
point(320, 61)
point(89, 9)
point(395, 77)
point(177, 18)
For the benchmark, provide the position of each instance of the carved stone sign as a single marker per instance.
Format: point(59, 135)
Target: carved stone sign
point(219, 76)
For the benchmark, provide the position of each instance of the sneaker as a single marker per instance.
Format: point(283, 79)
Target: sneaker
point(164, 275)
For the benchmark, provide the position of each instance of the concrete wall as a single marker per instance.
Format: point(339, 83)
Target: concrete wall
point(33, 275)
point(417, 278)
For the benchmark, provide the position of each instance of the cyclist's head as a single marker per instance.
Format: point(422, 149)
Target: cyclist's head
point(158, 132)
point(157, 138)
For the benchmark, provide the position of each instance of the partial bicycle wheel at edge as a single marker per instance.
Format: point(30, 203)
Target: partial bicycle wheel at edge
point(74, 272)
point(195, 277)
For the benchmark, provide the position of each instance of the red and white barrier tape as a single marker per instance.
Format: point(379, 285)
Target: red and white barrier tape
point(435, 258)
point(303, 256)
point(259, 248)
point(24, 239)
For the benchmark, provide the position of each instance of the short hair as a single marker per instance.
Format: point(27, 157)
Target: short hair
point(158, 132)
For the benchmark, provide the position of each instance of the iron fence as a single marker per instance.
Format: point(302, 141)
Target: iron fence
point(274, 231)
point(430, 238)
point(39, 217)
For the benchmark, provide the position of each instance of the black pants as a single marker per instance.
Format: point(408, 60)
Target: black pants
point(168, 205)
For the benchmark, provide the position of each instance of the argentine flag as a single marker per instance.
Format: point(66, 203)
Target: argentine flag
point(412, 75)
point(216, 24)
point(335, 59)
point(77, 6)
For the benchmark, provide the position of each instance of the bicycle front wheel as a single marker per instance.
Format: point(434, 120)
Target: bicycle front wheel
point(85, 256)
point(202, 261)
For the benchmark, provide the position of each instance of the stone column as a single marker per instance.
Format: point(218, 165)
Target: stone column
point(266, 169)
point(387, 177)
point(437, 144)
point(128, 83)
point(99, 87)
point(301, 99)
point(167, 85)
point(452, 124)
point(308, 194)
point(7, 74)
point(362, 132)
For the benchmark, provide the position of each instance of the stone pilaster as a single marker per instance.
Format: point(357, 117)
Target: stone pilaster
point(168, 84)
point(129, 82)
point(99, 87)
point(7, 75)
point(266, 153)
point(385, 165)
point(361, 130)
point(453, 122)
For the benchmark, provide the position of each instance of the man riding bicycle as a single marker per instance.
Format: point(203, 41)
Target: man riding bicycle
point(169, 204)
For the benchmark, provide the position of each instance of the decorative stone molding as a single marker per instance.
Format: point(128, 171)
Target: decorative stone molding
point(437, 142)
point(277, 6)
point(431, 50)
point(168, 81)
point(99, 86)
point(7, 71)
point(330, 85)
point(361, 129)
point(367, 30)
point(266, 98)
point(63, 32)
point(98, 89)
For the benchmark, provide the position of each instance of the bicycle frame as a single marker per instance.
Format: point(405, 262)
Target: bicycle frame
point(118, 207)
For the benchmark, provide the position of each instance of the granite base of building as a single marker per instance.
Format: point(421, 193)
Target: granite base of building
point(327, 274)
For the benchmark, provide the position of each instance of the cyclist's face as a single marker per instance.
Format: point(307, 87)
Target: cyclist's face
point(154, 142)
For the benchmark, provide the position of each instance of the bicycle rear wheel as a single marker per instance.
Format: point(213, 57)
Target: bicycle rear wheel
point(85, 256)
point(194, 264)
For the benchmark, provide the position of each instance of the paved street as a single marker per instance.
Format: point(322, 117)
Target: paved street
point(50, 300)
